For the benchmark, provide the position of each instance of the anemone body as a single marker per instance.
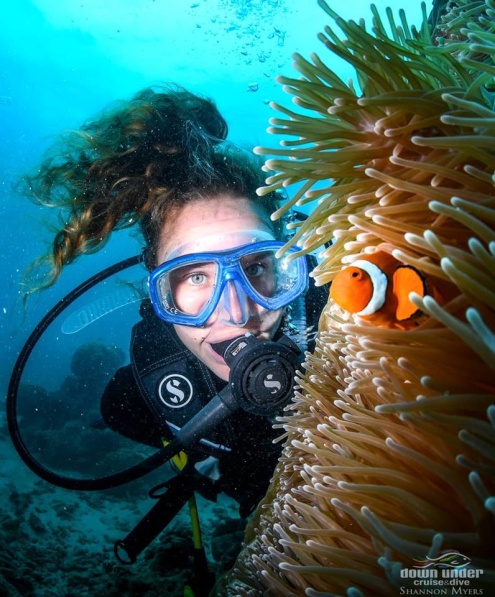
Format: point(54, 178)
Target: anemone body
point(389, 453)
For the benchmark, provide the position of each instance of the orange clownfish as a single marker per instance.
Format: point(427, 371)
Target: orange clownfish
point(376, 287)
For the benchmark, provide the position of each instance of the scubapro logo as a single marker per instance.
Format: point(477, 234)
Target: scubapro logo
point(272, 384)
point(175, 391)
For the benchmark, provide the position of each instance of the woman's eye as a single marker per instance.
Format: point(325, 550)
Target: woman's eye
point(196, 279)
point(255, 270)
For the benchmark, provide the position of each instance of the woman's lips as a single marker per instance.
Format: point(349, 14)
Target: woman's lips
point(216, 356)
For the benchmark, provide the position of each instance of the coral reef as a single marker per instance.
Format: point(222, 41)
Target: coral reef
point(95, 361)
point(63, 426)
point(59, 542)
point(389, 456)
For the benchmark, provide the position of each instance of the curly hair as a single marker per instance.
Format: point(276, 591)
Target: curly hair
point(138, 163)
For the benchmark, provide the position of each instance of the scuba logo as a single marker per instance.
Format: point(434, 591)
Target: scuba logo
point(175, 390)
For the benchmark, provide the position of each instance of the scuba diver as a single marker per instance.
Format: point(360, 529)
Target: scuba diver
point(218, 285)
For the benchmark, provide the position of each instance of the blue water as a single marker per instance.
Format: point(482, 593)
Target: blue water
point(60, 62)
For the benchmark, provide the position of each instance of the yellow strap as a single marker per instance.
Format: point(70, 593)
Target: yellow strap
point(180, 461)
point(196, 529)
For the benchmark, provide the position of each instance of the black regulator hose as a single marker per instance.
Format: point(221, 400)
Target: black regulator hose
point(11, 403)
point(261, 382)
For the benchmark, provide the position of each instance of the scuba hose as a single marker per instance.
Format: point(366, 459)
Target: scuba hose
point(115, 480)
point(261, 382)
point(257, 382)
point(298, 323)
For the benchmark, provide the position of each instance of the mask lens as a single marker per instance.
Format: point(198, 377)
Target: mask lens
point(189, 288)
point(260, 272)
point(270, 277)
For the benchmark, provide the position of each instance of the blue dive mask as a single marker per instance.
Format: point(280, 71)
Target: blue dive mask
point(186, 290)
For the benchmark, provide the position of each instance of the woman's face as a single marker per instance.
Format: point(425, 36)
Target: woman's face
point(209, 225)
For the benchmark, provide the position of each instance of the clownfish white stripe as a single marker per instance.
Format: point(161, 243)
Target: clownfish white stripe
point(379, 281)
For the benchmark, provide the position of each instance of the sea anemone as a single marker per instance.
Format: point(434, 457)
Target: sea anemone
point(389, 455)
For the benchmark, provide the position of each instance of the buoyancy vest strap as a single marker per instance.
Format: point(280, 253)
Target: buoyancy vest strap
point(202, 575)
point(180, 461)
point(174, 384)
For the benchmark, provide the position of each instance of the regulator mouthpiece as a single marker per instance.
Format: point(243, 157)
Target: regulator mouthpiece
point(262, 372)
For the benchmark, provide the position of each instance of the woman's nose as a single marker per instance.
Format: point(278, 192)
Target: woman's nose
point(233, 307)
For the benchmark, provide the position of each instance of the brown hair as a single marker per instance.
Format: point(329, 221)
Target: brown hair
point(137, 163)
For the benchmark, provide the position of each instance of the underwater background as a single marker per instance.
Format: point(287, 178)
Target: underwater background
point(59, 66)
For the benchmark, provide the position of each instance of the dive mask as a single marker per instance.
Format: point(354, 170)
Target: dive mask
point(186, 290)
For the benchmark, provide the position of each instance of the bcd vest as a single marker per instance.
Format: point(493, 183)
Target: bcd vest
point(174, 383)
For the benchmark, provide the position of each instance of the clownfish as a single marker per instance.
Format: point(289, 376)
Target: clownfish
point(377, 287)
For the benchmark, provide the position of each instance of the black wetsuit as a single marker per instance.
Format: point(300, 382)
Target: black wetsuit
point(165, 385)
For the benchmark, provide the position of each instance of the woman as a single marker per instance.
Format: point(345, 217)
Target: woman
point(161, 162)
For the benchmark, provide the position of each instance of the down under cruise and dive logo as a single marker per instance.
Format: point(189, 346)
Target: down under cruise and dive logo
point(450, 573)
